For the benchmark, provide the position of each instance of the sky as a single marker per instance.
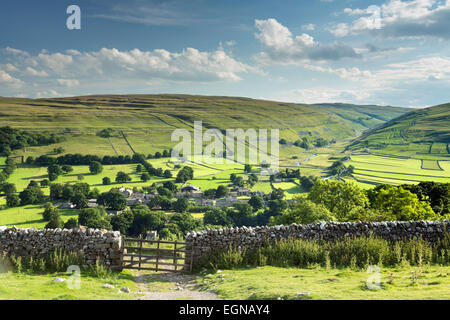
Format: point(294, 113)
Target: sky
point(387, 52)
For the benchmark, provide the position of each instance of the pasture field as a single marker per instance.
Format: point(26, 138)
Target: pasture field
point(408, 283)
point(25, 286)
point(30, 216)
point(291, 189)
point(376, 169)
point(430, 165)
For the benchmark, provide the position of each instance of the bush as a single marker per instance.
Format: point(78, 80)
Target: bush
point(356, 252)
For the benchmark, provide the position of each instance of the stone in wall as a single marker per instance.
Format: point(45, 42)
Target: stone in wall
point(97, 245)
point(200, 243)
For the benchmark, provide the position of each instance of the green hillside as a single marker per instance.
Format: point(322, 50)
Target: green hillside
point(148, 120)
point(420, 134)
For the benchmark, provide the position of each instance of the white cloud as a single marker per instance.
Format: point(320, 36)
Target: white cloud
point(29, 71)
point(400, 19)
point(7, 80)
point(281, 47)
point(309, 27)
point(69, 83)
point(187, 65)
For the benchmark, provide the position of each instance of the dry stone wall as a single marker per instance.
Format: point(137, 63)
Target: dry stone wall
point(200, 243)
point(97, 245)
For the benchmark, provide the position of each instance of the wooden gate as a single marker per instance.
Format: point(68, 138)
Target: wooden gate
point(155, 255)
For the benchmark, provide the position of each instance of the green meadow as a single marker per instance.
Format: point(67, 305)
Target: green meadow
point(317, 283)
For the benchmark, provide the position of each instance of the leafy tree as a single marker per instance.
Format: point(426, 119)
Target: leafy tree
point(49, 211)
point(145, 220)
point(113, 200)
point(12, 200)
point(304, 212)
point(31, 195)
point(185, 221)
point(181, 205)
point(106, 181)
point(9, 188)
point(122, 222)
point(94, 218)
point(217, 217)
point(95, 167)
point(238, 181)
point(277, 194)
point(56, 191)
point(243, 215)
point(44, 183)
point(340, 198)
point(248, 168)
point(402, 205)
point(139, 168)
point(252, 179)
point(122, 177)
point(167, 174)
point(163, 192)
point(145, 177)
point(221, 192)
point(170, 185)
point(185, 174)
point(71, 223)
point(79, 200)
point(307, 182)
point(55, 221)
point(256, 202)
point(66, 168)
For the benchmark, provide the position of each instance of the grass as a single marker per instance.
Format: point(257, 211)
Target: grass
point(15, 286)
point(376, 169)
point(432, 283)
point(30, 216)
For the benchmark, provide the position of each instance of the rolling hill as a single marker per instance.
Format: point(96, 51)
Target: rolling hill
point(148, 120)
point(422, 134)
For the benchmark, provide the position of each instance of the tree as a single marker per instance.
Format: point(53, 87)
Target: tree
point(340, 198)
point(248, 168)
point(122, 177)
point(307, 182)
point(217, 217)
point(95, 167)
point(55, 221)
point(49, 211)
point(185, 221)
point(185, 174)
point(170, 185)
point(252, 179)
point(113, 200)
point(167, 174)
point(80, 201)
point(163, 192)
point(94, 218)
point(402, 205)
point(243, 215)
point(9, 188)
point(56, 191)
point(71, 223)
point(45, 183)
point(139, 168)
point(256, 202)
point(106, 181)
point(80, 177)
point(145, 220)
point(304, 212)
point(122, 221)
point(31, 195)
point(145, 177)
point(12, 200)
point(221, 192)
point(66, 168)
point(238, 181)
point(181, 205)
point(56, 169)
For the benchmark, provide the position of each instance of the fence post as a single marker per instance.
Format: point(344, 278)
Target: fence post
point(175, 260)
point(157, 256)
point(140, 251)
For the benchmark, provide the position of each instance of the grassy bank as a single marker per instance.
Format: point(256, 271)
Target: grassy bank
point(317, 283)
point(14, 286)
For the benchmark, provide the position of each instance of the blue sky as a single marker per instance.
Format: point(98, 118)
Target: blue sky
point(389, 52)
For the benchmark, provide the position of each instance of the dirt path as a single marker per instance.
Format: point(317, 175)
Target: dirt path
point(170, 286)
